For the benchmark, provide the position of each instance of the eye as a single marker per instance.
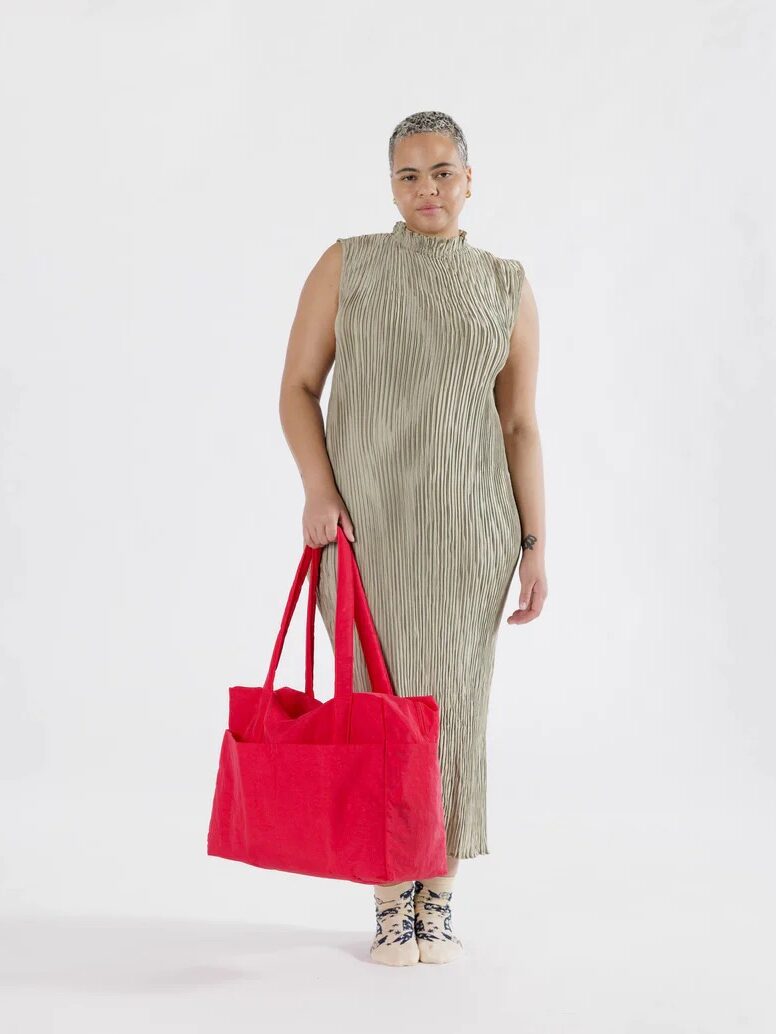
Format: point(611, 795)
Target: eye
point(411, 176)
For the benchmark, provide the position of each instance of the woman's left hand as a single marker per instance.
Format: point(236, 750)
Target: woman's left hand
point(533, 589)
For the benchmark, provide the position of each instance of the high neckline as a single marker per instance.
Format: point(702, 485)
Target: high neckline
point(427, 242)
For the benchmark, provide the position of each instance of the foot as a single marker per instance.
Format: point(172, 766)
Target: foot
point(433, 920)
point(394, 943)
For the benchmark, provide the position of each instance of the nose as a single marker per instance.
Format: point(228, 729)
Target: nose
point(432, 189)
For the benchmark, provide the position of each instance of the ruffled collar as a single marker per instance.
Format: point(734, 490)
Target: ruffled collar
point(427, 242)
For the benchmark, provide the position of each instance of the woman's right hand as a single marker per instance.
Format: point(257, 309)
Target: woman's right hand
point(323, 511)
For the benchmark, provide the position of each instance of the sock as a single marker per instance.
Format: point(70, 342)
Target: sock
point(394, 943)
point(433, 920)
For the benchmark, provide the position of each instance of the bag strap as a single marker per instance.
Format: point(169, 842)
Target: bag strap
point(308, 558)
point(352, 604)
point(371, 646)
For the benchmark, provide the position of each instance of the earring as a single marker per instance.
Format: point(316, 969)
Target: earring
point(468, 193)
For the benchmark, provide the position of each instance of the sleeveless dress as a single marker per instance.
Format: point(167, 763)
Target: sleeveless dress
point(413, 435)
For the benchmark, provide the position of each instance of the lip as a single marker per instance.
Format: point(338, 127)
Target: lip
point(430, 208)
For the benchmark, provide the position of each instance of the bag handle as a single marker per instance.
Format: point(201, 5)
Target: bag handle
point(309, 557)
point(352, 604)
point(374, 657)
point(349, 591)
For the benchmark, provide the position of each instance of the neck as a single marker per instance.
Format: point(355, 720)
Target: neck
point(431, 243)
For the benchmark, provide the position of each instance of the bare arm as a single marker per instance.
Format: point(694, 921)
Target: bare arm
point(309, 357)
point(515, 395)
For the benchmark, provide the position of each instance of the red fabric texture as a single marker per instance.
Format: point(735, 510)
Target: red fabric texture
point(348, 788)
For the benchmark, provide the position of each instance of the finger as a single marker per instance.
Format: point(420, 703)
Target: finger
point(347, 526)
point(519, 617)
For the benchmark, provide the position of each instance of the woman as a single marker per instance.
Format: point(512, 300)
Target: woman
point(431, 463)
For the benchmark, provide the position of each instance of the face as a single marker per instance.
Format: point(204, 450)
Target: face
point(429, 182)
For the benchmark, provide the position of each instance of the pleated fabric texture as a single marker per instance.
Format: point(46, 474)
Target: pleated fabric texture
point(413, 435)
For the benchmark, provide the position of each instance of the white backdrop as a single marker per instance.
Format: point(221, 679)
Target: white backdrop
point(171, 173)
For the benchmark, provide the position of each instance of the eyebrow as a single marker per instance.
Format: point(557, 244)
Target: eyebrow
point(409, 168)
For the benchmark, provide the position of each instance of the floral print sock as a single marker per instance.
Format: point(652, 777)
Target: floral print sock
point(394, 943)
point(433, 920)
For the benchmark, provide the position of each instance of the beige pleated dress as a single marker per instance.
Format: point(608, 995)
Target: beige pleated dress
point(412, 431)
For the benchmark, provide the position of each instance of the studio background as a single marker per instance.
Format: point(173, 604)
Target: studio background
point(172, 172)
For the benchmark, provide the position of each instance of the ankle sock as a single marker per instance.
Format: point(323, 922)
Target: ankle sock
point(433, 920)
point(394, 943)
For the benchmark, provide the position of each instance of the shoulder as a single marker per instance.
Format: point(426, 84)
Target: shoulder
point(508, 270)
point(362, 254)
point(367, 238)
point(363, 241)
point(515, 275)
point(361, 244)
point(511, 267)
point(509, 275)
point(515, 267)
point(357, 257)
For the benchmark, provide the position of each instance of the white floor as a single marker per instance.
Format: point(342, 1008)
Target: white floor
point(607, 925)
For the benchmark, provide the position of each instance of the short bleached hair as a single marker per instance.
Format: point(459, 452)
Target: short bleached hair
point(429, 122)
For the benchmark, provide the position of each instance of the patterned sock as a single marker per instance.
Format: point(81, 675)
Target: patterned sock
point(433, 918)
point(394, 943)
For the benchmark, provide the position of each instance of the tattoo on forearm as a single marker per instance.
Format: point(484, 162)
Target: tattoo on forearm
point(528, 541)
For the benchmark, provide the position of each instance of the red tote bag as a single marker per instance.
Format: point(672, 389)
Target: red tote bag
point(348, 788)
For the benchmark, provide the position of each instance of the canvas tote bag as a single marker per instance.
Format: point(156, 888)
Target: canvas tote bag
point(347, 788)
